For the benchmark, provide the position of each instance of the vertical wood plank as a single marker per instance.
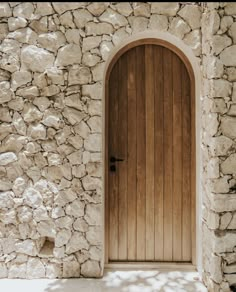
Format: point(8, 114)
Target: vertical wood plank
point(141, 155)
point(113, 177)
point(177, 159)
point(168, 128)
point(159, 168)
point(149, 90)
point(193, 171)
point(121, 131)
point(186, 154)
point(132, 157)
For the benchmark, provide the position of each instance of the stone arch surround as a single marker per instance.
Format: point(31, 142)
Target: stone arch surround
point(52, 70)
point(190, 60)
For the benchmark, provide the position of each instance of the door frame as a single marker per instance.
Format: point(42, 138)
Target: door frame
point(191, 64)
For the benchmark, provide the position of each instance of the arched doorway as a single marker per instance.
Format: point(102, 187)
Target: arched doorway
point(150, 125)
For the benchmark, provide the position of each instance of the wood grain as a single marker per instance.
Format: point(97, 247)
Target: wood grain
point(186, 156)
point(159, 152)
point(149, 94)
point(122, 153)
point(132, 157)
point(113, 178)
point(177, 159)
point(150, 200)
point(168, 154)
point(141, 157)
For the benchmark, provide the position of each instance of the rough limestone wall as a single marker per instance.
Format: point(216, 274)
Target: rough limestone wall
point(51, 69)
point(219, 148)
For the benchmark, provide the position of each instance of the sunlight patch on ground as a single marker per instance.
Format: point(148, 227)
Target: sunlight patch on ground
point(117, 281)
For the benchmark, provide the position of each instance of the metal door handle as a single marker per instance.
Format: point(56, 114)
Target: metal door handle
point(114, 159)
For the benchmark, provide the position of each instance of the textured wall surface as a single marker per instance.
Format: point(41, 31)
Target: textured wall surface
point(218, 145)
point(52, 60)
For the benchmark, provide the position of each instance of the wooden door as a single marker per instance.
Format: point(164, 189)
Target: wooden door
point(149, 202)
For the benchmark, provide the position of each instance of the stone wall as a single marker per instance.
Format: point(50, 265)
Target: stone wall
point(218, 145)
point(53, 57)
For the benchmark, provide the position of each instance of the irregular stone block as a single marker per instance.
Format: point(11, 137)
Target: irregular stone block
point(228, 127)
point(73, 116)
point(76, 208)
point(3, 271)
point(141, 9)
point(158, 22)
point(80, 225)
point(116, 19)
point(32, 197)
point(62, 237)
point(5, 10)
point(80, 75)
point(44, 9)
point(230, 9)
point(222, 202)
point(226, 56)
point(24, 35)
point(25, 10)
point(7, 158)
point(6, 199)
point(35, 269)
point(6, 93)
point(92, 90)
point(101, 28)
point(93, 142)
point(76, 243)
point(228, 166)
point(61, 7)
point(36, 59)
point(179, 27)
point(193, 40)
point(68, 55)
point(91, 43)
point(73, 36)
point(232, 32)
point(27, 247)
point(215, 268)
point(124, 8)
point(225, 220)
point(17, 271)
point(219, 43)
point(192, 15)
point(220, 145)
point(52, 41)
point(94, 235)
point(46, 228)
point(24, 214)
point(81, 17)
point(20, 78)
point(138, 23)
point(71, 269)
point(15, 23)
point(93, 214)
point(90, 269)
point(165, 8)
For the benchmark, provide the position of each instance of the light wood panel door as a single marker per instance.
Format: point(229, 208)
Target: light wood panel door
point(149, 202)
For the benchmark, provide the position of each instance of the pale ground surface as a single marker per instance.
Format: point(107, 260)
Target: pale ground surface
point(122, 281)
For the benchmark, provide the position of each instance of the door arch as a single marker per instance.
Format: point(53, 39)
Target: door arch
point(166, 236)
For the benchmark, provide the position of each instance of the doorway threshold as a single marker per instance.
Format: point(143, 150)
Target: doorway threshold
point(151, 265)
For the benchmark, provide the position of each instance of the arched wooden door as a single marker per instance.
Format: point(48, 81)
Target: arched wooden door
point(150, 123)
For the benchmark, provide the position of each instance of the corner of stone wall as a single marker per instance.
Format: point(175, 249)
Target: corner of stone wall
point(218, 144)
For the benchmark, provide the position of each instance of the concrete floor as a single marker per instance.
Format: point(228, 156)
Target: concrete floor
point(122, 281)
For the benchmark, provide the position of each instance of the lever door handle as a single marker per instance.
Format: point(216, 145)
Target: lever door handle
point(114, 159)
